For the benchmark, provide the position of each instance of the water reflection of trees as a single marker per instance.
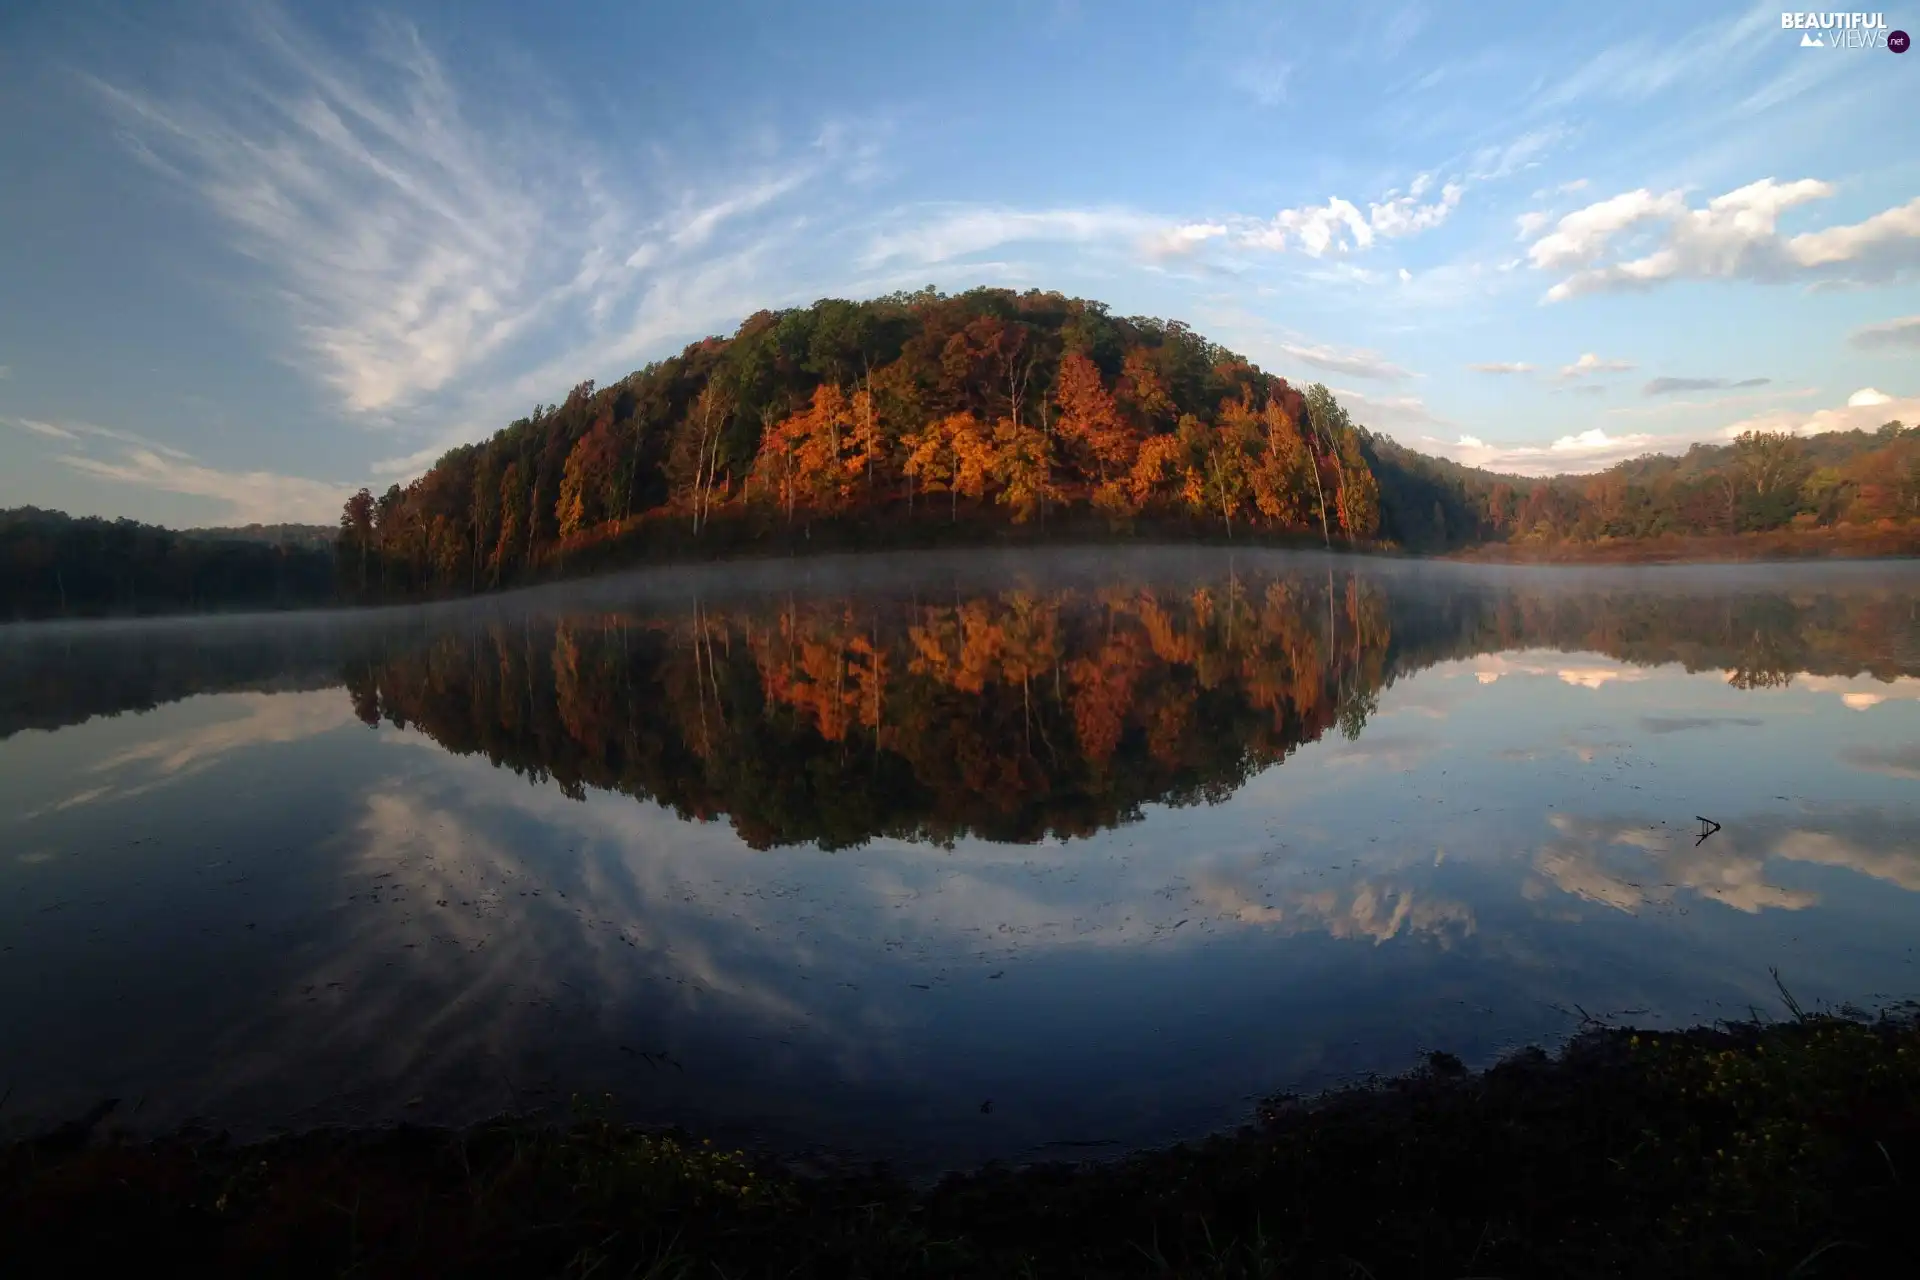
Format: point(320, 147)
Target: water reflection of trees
point(1027, 713)
point(1010, 716)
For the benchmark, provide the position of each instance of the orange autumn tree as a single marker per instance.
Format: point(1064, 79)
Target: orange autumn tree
point(952, 455)
point(818, 459)
point(1279, 480)
point(1023, 464)
point(587, 483)
point(1098, 440)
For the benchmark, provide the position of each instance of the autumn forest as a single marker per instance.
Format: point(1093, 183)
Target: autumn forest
point(925, 419)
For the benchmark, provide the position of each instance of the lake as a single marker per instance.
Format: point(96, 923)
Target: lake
point(942, 858)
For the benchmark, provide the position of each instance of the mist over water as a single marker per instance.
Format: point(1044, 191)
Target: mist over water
point(831, 854)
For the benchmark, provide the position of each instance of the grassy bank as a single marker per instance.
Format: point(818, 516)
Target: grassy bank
point(1768, 1150)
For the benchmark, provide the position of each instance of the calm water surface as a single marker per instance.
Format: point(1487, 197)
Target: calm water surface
point(830, 855)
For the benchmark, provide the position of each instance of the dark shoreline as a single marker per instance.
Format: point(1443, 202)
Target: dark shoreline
point(586, 562)
point(1784, 1148)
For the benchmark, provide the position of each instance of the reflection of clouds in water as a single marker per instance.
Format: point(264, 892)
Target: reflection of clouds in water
point(649, 931)
point(462, 949)
point(1584, 670)
point(1595, 677)
point(976, 899)
point(1861, 693)
point(262, 719)
point(1586, 860)
point(1895, 865)
point(1393, 752)
point(1584, 752)
point(1681, 724)
point(1893, 762)
point(1379, 912)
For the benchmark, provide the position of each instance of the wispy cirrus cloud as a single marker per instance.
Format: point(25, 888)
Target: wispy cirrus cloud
point(407, 249)
point(262, 497)
point(1502, 367)
point(1353, 362)
point(82, 431)
point(431, 251)
point(942, 233)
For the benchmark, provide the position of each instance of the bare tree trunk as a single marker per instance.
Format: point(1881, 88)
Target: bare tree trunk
point(1313, 464)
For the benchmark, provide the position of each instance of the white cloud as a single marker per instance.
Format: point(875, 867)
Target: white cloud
point(1405, 275)
point(1186, 237)
point(1502, 366)
point(955, 231)
point(1589, 363)
point(1338, 226)
point(1405, 215)
point(1532, 222)
point(1592, 450)
point(1890, 335)
point(1353, 362)
point(251, 496)
point(1581, 235)
point(1865, 410)
point(1734, 237)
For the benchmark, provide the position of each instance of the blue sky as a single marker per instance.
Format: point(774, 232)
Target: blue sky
point(255, 255)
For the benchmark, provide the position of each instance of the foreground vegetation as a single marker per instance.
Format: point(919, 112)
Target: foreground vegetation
point(1759, 1149)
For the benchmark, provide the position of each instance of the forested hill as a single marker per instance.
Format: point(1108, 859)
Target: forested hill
point(907, 419)
point(923, 417)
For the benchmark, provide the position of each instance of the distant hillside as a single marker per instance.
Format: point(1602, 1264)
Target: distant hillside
point(923, 417)
point(55, 566)
point(280, 535)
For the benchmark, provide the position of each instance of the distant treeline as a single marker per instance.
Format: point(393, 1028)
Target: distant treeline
point(924, 418)
point(55, 566)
